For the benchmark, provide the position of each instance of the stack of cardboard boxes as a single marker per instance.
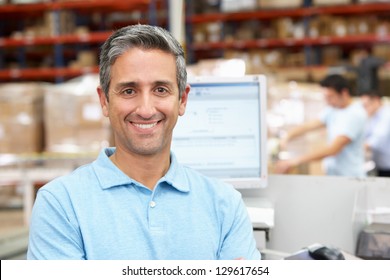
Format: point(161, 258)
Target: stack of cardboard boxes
point(56, 126)
point(66, 118)
point(73, 118)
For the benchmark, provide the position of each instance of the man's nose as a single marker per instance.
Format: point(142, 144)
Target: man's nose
point(146, 107)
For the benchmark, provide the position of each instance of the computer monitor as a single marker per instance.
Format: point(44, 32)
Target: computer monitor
point(223, 131)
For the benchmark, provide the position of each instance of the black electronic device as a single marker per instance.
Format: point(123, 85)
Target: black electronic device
point(325, 253)
point(317, 252)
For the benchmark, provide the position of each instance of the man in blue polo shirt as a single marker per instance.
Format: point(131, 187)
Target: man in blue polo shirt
point(135, 201)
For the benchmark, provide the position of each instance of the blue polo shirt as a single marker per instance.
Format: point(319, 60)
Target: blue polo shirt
point(98, 212)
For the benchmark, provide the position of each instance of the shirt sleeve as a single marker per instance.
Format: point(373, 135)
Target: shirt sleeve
point(352, 124)
point(239, 240)
point(53, 235)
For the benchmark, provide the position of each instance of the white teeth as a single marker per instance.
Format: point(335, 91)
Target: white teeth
point(145, 126)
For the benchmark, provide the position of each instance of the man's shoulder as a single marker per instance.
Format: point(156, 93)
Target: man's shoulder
point(385, 112)
point(70, 180)
point(382, 119)
point(357, 112)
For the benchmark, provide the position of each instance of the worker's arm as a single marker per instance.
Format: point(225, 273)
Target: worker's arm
point(300, 130)
point(329, 150)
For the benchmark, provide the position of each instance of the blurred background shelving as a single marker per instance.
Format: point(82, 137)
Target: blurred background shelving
point(55, 41)
point(289, 36)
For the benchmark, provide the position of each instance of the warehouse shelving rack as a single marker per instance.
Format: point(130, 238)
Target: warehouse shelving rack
point(60, 71)
point(199, 50)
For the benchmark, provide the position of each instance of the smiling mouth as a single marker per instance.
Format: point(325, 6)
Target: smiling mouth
point(145, 125)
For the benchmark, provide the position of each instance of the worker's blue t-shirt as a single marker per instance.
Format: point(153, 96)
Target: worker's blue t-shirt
point(349, 122)
point(98, 212)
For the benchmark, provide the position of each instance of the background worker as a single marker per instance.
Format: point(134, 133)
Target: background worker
point(378, 131)
point(344, 121)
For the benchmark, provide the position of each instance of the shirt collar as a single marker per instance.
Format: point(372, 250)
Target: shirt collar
point(109, 175)
point(176, 176)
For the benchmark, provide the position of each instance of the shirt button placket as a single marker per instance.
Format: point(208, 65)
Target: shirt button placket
point(155, 221)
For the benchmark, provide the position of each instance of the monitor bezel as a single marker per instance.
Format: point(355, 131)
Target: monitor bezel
point(262, 180)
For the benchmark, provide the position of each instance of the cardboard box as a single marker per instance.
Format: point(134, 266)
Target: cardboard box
point(283, 27)
point(21, 122)
point(320, 26)
point(382, 28)
point(271, 4)
point(362, 25)
point(371, 1)
point(331, 2)
point(331, 55)
point(381, 50)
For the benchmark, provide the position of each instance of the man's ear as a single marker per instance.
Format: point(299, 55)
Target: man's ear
point(103, 101)
point(183, 100)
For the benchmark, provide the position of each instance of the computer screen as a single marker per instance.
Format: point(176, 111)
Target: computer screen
point(223, 131)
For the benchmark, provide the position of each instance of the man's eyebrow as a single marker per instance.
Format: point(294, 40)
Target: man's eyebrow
point(124, 85)
point(163, 83)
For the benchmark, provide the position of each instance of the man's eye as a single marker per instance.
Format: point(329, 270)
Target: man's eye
point(128, 91)
point(161, 90)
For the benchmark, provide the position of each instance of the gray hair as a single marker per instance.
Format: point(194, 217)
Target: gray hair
point(146, 37)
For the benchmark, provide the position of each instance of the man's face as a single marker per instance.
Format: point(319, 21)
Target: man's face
point(144, 101)
point(333, 98)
